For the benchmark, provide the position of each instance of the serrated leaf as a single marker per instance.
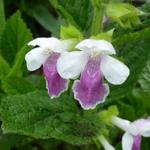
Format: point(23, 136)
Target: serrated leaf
point(134, 49)
point(145, 78)
point(77, 12)
point(15, 85)
point(4, 67)
point(70, 32)
point(36, 115)
point(14, 37)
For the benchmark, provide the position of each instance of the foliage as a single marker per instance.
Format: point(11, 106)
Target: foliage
point(29, 118)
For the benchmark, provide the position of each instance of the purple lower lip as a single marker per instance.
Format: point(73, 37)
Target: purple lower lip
point(137, 143)
point(90, 89)
point(55, 83)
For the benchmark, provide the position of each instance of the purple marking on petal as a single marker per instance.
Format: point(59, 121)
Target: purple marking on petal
point(55, 83)
point(141, 122)
point(143, 126)
point(137, 143)
point(90, 89)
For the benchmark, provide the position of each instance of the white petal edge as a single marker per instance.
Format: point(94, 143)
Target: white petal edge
point(35, 58)
point(48, 43)
point(100, 46)
point(127, 141)
point(71, 64)
point(113, 70)
point(105, 143)
point(98, 102)
point(54, 96)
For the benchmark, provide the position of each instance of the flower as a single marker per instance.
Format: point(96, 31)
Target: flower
point(47, 54)
point(131, 140)
point(94, 63)
point(105, 143)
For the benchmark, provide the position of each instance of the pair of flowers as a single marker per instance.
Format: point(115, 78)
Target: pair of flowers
point(131, 140)
point(65, 59)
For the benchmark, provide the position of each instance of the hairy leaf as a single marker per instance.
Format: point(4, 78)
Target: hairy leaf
point(36, 115)
point(15, 85)
point(134, 49)
point(145, 78)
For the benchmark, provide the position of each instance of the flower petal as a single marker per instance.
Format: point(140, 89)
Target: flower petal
point(70, 64)
point(127, 141)
point(49, 43)
point(143, 126)
point(121, 123)
point(100, 46)
point(90, 90)
point(55, 84)
point(35, 58)
point(105, 143)
point(125, 125)
point(53, 44)
point(113, 70)
point(137, 143)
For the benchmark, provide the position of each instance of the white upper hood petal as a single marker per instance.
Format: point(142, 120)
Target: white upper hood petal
point(127, 141)
point(100, 46)
point(113, 70)
point(53, 44)
point(64, 45)
point(70, 64)
point(35, 58)
point(46, 43)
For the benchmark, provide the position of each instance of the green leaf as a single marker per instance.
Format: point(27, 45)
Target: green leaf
point(70, 32)
point(4, 67)
point(134, 49)
point(8, 141)
point(126, 15)
point(36, 115)
point(17, 68)
point(14, 37)
point(45, 18)
point(145, 78)
point(14, 85)
point(77, 12)
point(146, 18)
point(104, 36)
point(2, 16)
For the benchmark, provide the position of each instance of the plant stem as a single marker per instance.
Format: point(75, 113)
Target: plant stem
point(97, 25)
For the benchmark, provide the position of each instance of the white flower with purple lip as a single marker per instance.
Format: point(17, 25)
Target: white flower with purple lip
point(131, 140)
point(94, 63)
point(47, 54)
